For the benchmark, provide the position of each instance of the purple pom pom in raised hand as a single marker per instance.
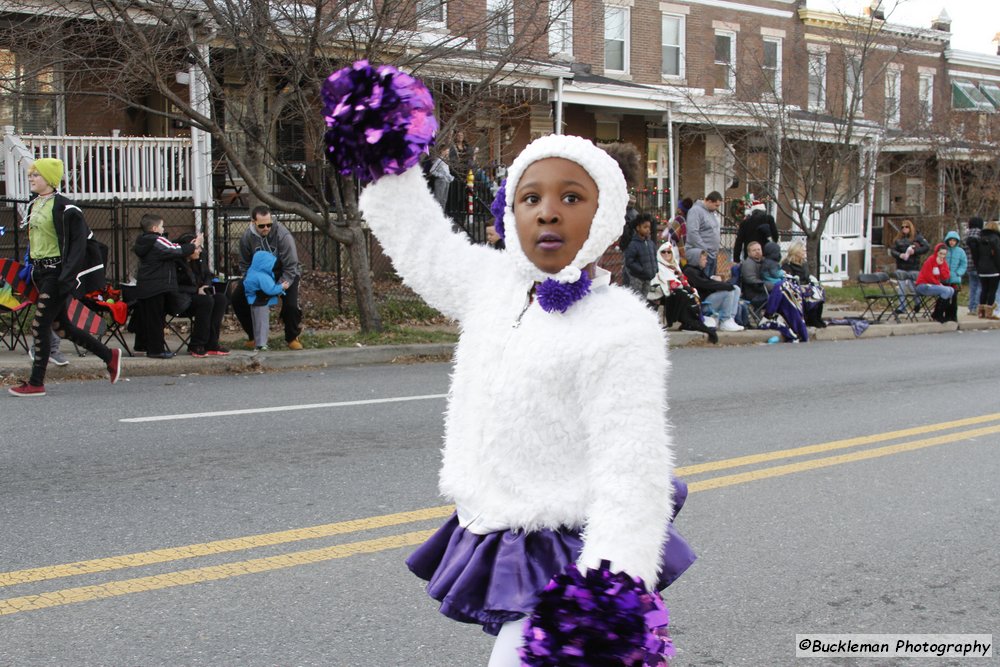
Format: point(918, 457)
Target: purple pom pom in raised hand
point(379, 120)
point(554, 295)
point(496, 208)
point(599, 618)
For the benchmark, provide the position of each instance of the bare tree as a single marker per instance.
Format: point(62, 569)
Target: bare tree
point(821, 142)
point(965, 152)
point(264, 63)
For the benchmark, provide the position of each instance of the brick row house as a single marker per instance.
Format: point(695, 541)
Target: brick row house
point(847, 121)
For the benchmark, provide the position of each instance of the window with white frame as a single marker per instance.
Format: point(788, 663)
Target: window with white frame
point(853, 83)
point(725, 60)
point(561, 27)
point(893, 90)
point(672, 41)
point(914, 195)
point(28, 96)
point(616, 38)
point(432, 13)
point(925, 96)
point(608, 130)
point(771, 65)
point(817, 81)
point(500, 24)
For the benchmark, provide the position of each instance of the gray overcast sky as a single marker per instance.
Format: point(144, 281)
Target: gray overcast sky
point(974, 23)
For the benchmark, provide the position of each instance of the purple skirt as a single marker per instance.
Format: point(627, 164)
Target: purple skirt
point(495, 578)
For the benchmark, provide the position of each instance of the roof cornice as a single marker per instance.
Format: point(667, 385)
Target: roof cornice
point(819, 18)
point(971, 58)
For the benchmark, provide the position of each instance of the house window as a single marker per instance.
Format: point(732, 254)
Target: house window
point(992, 93)
point(561, 27)
point(914, 195)
point(28, 95)
point(771, 65)
point(616, 39)
point(608, 130)
point(673, 46)
point(925, 94)
point(500, 24)
point(432, 13)
point(853, 84)
point(965, 95)
point(893, 87)
point(725, 60)
point(817, 81)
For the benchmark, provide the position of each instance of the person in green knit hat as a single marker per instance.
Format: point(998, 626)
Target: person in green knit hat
point(57, 237)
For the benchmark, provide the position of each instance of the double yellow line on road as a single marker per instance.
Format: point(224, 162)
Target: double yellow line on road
point(265, 564)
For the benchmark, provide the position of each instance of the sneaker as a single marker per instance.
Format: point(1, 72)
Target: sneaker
point(730, 325)
point(248, 344)
point(115, 365)
point(198, 352)
point(217, 352)
point(166, 354)
point(262, 348)
point(710, 322)
point(58, 358)
point(25, 390)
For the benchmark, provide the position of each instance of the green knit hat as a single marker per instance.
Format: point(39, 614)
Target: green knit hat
point(50, 169)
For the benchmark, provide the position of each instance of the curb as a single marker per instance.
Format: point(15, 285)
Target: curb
point(240, 361)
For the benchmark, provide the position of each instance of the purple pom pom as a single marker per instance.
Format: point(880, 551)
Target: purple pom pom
point(379, 120)
point(496, 208)
point(554, 295)
point(599, 618)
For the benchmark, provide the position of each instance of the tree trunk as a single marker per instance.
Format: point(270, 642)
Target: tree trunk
point(812, 252)
point(371, 321)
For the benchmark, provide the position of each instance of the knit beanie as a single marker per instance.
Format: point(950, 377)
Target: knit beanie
point(50, 169)
point(612, 198)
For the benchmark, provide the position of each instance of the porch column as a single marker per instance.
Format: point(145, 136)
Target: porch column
point(201, 147)
point(672, 204)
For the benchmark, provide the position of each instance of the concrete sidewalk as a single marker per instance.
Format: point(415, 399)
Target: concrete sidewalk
point(16, 365)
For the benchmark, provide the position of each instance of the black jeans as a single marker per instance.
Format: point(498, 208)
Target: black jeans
point(50, 313)
point(290, 313)
point(207, 311)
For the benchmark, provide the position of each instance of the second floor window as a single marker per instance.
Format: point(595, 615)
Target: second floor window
point(500, 24)
point(892, 92)
point(616, 39)
point(725, 60)
point(817, 81)
point(561, 27)
point(771, 66)
point(853, 85)
point(673, 46)
point(925, 96)
point(431, 12)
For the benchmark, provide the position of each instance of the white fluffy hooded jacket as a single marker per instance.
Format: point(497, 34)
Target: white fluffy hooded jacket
point(554, 419)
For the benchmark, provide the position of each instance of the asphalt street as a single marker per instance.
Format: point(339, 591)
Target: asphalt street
point(170, 521)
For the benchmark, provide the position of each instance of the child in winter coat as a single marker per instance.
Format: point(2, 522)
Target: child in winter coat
point(771, 270)
point(262, 292)
point(551, 454)
point(958, 264)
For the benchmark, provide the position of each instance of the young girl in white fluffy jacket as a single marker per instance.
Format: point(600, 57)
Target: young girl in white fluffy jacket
point(557, 448)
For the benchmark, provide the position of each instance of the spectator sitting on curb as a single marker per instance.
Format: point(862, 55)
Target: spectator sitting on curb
point(680, 301)
point(771, 270)
point(751, 276)
point(933, 276)
point(722, 297)
point(813, 295)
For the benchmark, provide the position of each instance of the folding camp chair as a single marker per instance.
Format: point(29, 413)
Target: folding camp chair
point(13, 320)
point(174, 326)
point(915, 305)
point(876, 290)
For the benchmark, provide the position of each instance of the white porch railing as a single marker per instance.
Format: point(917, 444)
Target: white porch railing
point(104, 168)
point(848, 222)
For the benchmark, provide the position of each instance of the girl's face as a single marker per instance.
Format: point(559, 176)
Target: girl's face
point(952, 243)
point(554, 207)
point(941, 255)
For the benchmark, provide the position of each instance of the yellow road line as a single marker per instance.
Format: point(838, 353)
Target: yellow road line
point(813, 464)
point(220, 546)
point(239, 568)
point(202, 574)
point(736, 462)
